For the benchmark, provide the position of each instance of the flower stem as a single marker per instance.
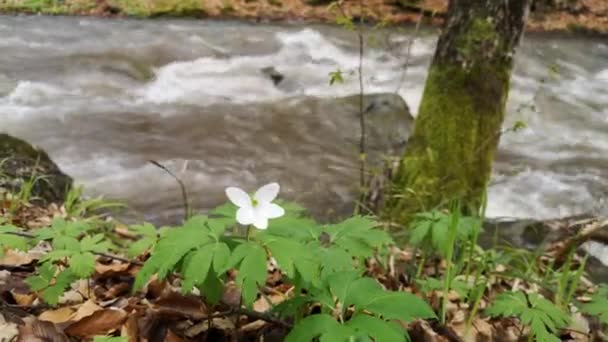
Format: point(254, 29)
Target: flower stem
point(247, 233)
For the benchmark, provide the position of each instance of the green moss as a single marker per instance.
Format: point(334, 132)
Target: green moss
point(449, 157)
point(478, 34)
point(155, 8)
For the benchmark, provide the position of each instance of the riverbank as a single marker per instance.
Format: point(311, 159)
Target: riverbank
point(578, 15)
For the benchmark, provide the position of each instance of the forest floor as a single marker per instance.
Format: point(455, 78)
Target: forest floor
point(105, 308)
point(581, 15)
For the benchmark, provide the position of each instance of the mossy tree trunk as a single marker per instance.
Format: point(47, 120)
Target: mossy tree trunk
point(449, 156)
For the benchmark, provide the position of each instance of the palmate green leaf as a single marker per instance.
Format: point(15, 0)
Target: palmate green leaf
point(10, 241)
point(82, 264)
point(146, 230)
point(598, 306)
point(312, 327)
point(298, 228)
point(252, 273)
point(196, 267)
point(292, 306)
point(420, 232)
point(171, 249)
point(397, 305)
point(46, 273)
point(96, 243)
point(200, 264)
point(213, 288)
point(378, 329)
point(291, 256)
point(52, 293)
point(367, 295)
point(335, 260)
point(140, 246)
point(543, 317)
point(66, 242)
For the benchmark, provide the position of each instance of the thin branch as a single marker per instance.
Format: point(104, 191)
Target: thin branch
point(408, 54)
point(181, 185)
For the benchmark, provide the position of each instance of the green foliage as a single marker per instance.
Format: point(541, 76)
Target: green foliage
point(147, 240)
point(374, 310)
point(110, 339)
point(8, 239)
point(431, 230)
point(543, 317)
point(598, 307)
point(51, 282)
point(76, 206)
point(336, 77)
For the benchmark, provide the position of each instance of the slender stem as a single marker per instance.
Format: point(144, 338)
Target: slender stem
point(181, 185)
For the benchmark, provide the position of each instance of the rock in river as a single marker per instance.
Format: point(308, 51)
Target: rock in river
point(21, 162)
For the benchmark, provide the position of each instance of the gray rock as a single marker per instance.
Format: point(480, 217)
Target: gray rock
point(21, 162)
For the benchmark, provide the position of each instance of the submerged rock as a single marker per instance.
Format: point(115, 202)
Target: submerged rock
point(21, 162)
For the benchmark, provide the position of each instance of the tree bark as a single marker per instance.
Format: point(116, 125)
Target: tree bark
point(449, 156)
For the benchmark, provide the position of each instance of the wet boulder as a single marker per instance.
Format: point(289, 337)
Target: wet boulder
point(21, 162)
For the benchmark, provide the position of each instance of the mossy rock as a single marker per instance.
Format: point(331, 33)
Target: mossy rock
point(20, 162)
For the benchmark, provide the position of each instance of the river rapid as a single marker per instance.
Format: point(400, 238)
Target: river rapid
point(104, 96)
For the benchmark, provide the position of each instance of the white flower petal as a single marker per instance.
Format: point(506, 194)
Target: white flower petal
point(239, 197)
point(267, 193)
point(260, 221)
point(245, 216)
point(271, 210)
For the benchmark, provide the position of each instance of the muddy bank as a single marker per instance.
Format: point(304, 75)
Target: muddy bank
point(547, 15)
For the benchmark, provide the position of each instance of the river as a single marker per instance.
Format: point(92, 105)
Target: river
point(104, 96)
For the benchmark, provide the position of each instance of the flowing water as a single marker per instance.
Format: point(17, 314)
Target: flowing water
point(105, 96)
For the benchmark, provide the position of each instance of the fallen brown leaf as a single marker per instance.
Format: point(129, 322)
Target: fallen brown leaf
point(177, 305)
point(100, 322)
point(35, 330)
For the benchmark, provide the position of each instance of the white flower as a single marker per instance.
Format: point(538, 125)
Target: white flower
point(256, 210)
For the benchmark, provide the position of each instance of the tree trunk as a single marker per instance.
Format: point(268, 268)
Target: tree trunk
point(449, 156)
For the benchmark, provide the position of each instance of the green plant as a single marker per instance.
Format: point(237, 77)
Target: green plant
point(326, 264)
point(543, 317)
point(76, 206)
point(598, 306)
point(73, 257)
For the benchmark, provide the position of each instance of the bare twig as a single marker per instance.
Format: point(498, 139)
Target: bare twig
point(181, 185)
point(408, 54)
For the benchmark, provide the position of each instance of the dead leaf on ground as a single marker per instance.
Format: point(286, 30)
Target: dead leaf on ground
point(8, 330)
point(105, 270)
point(100, 322)
point(176, 305)
point(35, 330)
point(57, 316)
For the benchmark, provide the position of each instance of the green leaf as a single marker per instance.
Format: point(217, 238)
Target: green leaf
point(110, 339)
point(252, 273)
point(46, 273)
point(140, 246)
point(66, 242)
point(52, 293)
point(8, 241)
point(197, 267)
point(94, 243)
point(336, 77)
point(377, 329)
point(396, 305)
point(598, 306)
point(298, 228)
point(292, 307)
point(171, 249)
point(213, 288)
point(82, 264)
point(543, 317)
point(146, 230)
point(312, 327)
